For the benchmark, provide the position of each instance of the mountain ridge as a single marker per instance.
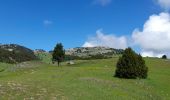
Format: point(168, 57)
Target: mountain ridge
point(14, 53)
point(88, 52)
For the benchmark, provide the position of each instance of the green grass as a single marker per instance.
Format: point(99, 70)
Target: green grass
point(4, 66)
point(86, 80)
point(44, 57)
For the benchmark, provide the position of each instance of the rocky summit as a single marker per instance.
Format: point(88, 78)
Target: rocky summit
point(87, 52)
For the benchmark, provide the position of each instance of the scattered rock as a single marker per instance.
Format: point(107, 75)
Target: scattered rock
point(86, 52)
point(70, 63)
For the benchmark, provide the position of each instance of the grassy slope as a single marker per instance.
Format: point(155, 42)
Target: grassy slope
point(86, 80)
point(44, 57)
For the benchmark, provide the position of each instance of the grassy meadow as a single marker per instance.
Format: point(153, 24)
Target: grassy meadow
point(85, 80)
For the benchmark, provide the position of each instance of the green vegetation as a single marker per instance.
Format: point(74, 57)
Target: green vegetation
point(164, 57)
point(82, 80)
point(86, 80)
point(131, 65)
point(14, 54)
point(90, 57)
point(58, 53)
point(44, 57)
point(3, 67)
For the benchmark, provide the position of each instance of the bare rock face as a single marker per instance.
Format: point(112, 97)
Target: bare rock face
point(87, 52)
point(70, 62)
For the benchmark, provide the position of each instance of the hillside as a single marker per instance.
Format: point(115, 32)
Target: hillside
point(13, 53)
point(44, 56)
point(86, 80)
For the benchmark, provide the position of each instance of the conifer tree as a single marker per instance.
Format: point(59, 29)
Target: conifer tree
point(164, 57)
point(58, 53)
point(131, 65)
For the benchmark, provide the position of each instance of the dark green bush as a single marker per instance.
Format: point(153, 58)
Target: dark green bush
point(164, 57)
point(131, 65)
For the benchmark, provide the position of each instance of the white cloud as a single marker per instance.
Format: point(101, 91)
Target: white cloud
point(154, 39)
point(151, 54)
point(102, 2)
point(165, 4)
point(102, 39)
point(47, 22)
point(88, 44)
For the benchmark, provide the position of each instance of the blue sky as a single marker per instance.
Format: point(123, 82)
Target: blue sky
point(43, 23)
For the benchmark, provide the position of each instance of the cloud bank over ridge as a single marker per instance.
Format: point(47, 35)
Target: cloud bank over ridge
point(105, 40)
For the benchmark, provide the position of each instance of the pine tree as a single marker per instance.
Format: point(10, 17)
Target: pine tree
point(164, 57)
point(58, 53)
point(131, 65)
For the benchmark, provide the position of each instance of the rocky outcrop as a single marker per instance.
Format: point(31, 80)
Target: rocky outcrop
point(87, 52)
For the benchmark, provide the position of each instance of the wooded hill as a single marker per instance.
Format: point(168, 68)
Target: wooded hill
point(13, 53)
